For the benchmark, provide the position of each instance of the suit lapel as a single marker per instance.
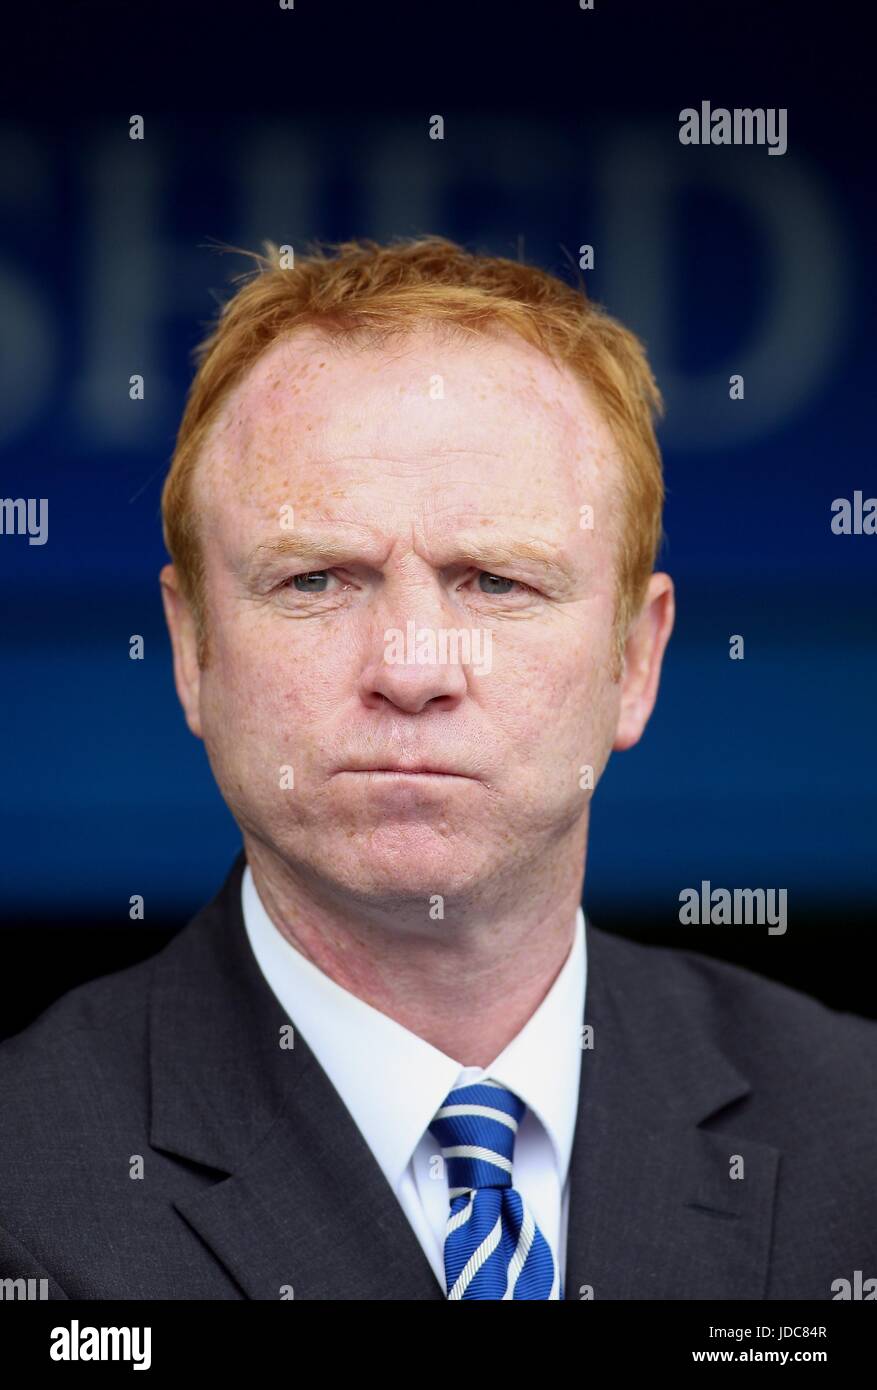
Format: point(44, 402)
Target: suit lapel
point(310, 1215)
point(305, 1206)
point(654, 1213)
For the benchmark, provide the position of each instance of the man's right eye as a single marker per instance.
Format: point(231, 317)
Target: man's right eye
point(305, 583)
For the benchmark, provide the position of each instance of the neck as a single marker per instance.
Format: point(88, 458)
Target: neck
point(467, 983)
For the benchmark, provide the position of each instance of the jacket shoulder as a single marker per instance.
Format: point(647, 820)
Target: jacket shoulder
point(85, 1051)
point(770, 1030)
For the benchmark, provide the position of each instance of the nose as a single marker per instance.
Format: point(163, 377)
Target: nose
point(416, 657)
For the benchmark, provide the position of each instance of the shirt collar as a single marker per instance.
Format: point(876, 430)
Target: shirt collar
point(393, 1081)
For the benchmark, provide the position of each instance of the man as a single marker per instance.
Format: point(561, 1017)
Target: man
point(413, 512)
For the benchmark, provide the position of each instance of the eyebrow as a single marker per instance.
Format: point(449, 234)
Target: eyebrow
point(485, 552)
point(306, 548)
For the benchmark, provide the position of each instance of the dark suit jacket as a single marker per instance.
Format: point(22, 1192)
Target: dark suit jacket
point(256, 1177)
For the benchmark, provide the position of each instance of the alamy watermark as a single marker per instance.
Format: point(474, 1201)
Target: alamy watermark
point(444, 646)
point(20, 516)
point(27, 1290)
point(856, 517)
point(734, 907)
point(75, 1343)
point(742, 126)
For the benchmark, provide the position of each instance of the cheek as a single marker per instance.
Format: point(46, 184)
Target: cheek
point(268, 703)
point(246, 694)
point(558, 708)
point(566, 672)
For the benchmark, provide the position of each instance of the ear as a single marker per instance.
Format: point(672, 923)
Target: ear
point(181, 626)
point(643, 654)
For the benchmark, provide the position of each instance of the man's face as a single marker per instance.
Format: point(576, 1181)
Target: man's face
point(424, 484)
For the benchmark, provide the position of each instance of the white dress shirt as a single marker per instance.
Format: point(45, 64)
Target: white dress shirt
point(393, 1081)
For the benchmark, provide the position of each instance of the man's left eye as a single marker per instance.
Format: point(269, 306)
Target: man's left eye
point(498, 579)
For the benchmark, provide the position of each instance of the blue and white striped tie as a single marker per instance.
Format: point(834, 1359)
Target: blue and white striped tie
point(493, 1247)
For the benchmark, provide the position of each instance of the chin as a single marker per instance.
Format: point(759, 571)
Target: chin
point(408, 862)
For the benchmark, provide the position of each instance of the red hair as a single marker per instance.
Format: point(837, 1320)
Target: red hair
point(362, 290)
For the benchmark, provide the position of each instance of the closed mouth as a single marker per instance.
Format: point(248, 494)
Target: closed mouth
point(422, 770)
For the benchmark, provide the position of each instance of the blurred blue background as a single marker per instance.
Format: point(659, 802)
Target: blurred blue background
point(561, 128)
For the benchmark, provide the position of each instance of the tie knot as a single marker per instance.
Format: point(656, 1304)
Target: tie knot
point(476, 1128)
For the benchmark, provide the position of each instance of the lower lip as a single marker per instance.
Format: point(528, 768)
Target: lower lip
point(407, 796)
